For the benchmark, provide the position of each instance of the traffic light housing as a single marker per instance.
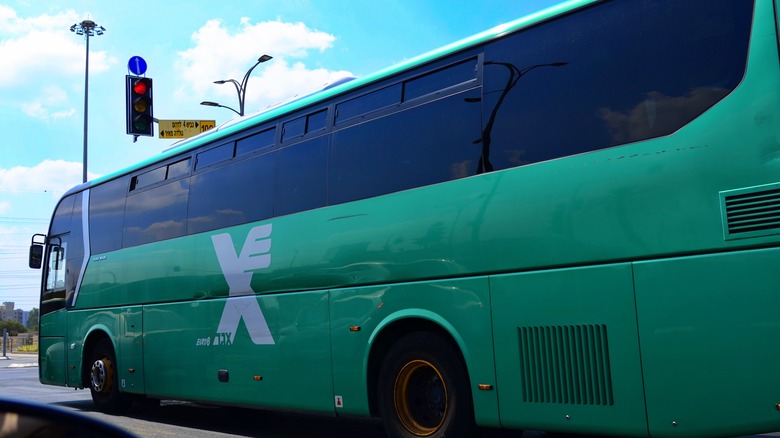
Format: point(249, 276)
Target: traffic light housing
point(140, 119)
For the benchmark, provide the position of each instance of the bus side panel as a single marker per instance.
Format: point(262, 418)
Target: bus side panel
point(567, 353)
point(265, 351)
point(461, 307)
point(709, 329)
point(131, 350)
point(52, 352)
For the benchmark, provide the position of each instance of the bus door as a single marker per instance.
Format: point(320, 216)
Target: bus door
point(53, 321)
point(62, 265)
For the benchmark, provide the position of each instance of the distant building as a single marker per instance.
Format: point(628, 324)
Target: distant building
point(8, 313)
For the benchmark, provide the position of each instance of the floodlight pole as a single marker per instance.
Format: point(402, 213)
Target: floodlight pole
point(87, 28)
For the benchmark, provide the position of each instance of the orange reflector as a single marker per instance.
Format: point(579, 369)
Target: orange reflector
point(258, 378)
point(485, 387)
point(354, 328)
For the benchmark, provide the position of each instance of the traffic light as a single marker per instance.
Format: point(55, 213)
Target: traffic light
point(140, 120)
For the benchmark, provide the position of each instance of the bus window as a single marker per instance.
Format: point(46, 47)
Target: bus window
point(55, 273)
point(179, 168)
point(441, 79)
point(368, 103)
point(261, 140)
point(106, 215)
point(301, 177)
point(231, 195)
point(148, 178)
point(608, 76)
point(156, 214)
point(54, 283)
point(316, 121)
point(214, 155)
point(293, 129)
point(409, 153)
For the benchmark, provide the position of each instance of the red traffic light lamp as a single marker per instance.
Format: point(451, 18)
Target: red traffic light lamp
point(138, 103)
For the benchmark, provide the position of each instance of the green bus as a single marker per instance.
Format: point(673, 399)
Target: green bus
point(570, 222)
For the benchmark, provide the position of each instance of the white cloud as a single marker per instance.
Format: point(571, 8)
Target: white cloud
point(34, 47)
point(36, 51)
point(218, 54)
point(49, 106)
point(50, 176)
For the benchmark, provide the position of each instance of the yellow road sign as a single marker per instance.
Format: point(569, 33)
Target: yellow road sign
point(184, 128)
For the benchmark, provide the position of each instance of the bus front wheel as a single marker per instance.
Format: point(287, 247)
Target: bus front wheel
point(103, 379)
point(424, 389)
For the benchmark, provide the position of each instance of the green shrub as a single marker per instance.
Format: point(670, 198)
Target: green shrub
point(28, 349)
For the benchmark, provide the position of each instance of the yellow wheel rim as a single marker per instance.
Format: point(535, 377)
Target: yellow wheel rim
point(420, 397)
point(102, 376)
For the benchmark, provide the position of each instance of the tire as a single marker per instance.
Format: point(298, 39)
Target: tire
point(424, 389)
point(103, 380)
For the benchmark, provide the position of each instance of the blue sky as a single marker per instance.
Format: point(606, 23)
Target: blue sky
point(187, 46)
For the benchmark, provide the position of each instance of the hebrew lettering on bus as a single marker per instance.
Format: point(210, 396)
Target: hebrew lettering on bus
point(238, 268)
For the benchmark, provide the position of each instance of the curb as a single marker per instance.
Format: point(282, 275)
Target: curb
point(23, 365)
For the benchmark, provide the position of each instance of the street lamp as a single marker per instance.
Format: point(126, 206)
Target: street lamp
point(209, 103)
point(87, 28)
point(240, 87)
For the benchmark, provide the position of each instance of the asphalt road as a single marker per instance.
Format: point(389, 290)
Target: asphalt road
point(19, 380)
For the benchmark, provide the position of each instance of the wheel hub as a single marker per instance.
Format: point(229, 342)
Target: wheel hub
point(101, 375)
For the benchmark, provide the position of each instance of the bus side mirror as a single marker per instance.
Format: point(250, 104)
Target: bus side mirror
point(36, 255)
point(36, 251)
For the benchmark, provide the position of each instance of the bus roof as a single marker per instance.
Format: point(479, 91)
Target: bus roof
point(342, 86)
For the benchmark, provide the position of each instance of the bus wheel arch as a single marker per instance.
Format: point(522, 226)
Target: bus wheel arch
point(413, 353)
point(92, 339)
point(100, 374)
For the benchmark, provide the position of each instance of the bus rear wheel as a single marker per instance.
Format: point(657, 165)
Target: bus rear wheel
point(424, 389)
point(103, 382)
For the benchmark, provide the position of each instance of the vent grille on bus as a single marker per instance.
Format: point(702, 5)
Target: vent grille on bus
point(565, 364)
point(751, 212)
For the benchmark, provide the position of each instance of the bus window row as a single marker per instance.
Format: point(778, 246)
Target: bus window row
point(612, 74)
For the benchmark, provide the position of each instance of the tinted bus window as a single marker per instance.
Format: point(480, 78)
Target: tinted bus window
point(149, 178)
point(214, 155)
point(156, 214)
point(316, 121)
point(106, 215)
point(612, 74)
point(423, 145)
point(300, 177)
point(179, 168)
point(368, 103)
point(62, 215)
point(293, 128)
point(76, 229)
point(256, 142)
point(441, 79)
point(231, 195)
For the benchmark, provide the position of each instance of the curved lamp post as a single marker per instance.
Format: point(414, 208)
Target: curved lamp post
point(87, 28)
point(240, 87)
